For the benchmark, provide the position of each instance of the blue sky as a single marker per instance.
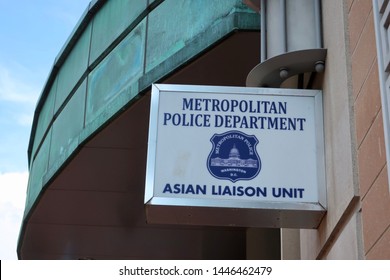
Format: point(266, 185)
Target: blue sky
point(31, 35)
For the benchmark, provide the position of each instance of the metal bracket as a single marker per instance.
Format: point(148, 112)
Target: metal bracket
point(272, 72)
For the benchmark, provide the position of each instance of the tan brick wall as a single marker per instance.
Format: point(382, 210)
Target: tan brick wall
point(340, 234)
point(373, 182)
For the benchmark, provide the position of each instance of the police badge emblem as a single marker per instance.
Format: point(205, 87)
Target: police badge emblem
point(234, 156)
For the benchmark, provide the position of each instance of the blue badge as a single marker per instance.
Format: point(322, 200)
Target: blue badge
point(234, 156)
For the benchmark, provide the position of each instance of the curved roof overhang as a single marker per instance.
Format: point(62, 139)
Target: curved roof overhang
point(93, 205)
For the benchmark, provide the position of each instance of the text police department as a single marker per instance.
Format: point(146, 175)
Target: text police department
point(253, 121)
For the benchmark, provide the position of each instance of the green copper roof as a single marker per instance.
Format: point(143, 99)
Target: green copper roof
point(117, 50)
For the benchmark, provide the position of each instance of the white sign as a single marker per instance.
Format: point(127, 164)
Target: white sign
point(235, 147)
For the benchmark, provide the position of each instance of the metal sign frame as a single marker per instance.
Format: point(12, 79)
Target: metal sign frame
point(230, 212)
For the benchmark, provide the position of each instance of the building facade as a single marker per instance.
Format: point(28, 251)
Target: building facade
point(87, 152)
